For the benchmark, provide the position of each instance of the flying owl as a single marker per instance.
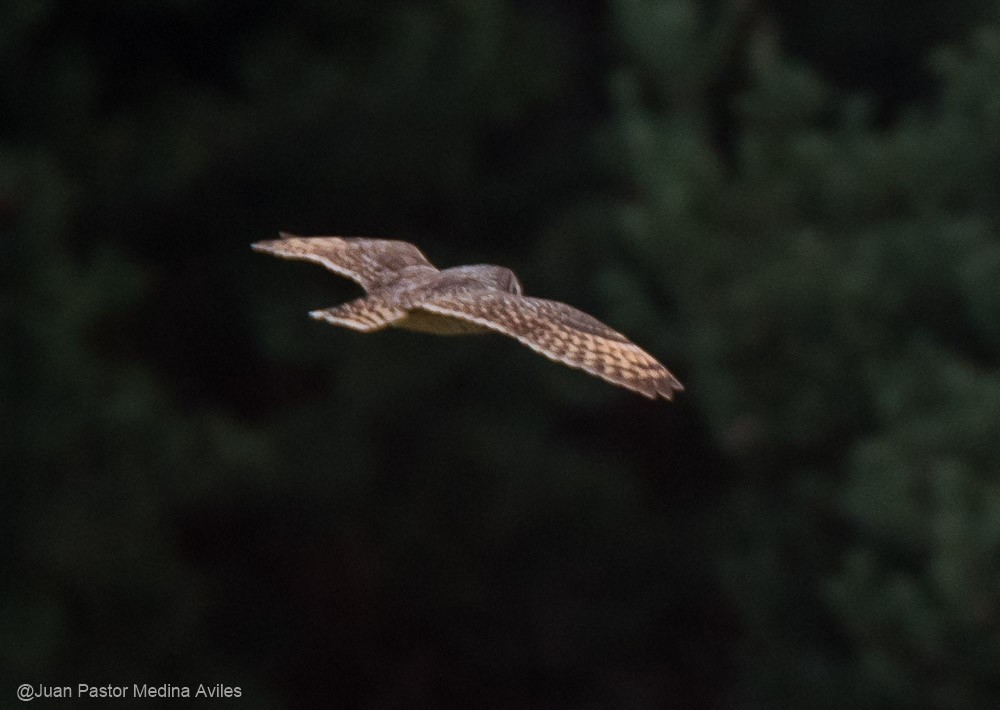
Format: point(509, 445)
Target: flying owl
point(404, 290)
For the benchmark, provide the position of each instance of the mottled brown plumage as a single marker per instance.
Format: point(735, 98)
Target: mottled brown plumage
point(404, 290)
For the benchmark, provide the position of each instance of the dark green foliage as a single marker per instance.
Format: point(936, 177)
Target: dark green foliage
point(201, 485)
point(836, 293)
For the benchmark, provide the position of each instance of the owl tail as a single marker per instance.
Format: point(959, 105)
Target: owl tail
point(366, 314)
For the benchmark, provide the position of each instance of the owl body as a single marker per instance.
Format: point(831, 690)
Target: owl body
point(418, 321)
point(404, 290)
point(413, 289)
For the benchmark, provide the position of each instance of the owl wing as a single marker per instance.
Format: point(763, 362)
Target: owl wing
point(560, 333)
point(372, 263)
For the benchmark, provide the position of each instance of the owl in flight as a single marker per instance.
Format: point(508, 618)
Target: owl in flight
point(404, 290)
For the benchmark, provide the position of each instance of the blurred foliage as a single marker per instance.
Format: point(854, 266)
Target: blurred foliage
point(201, 485)
point(839, 289)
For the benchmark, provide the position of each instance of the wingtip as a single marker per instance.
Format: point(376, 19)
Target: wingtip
point(271, 245)
point(668, 389)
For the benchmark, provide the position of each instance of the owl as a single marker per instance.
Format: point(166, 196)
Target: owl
point(404, 290)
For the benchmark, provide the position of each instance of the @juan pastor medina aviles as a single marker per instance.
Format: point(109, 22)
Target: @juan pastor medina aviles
point(136, 690)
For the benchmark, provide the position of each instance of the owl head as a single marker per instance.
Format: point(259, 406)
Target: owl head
point(488, 275)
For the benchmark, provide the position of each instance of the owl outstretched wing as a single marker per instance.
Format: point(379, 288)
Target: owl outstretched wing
point(372, 263)
point(560, 333)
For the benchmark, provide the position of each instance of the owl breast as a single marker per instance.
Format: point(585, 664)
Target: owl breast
point(423, 322)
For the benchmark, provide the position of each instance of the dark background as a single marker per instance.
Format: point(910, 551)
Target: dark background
point(793, 204)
